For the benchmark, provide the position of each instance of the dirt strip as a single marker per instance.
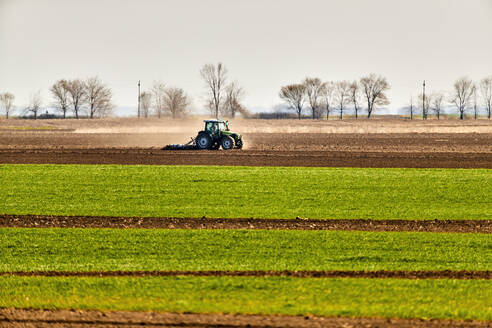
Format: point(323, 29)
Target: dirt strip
point(47, 221)
point(383, 274)
point(249, 158)
point(13, 318)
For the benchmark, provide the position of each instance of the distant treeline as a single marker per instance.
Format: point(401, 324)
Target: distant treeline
point(311, 98)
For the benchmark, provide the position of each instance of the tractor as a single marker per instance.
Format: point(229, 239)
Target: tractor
point(215, 134)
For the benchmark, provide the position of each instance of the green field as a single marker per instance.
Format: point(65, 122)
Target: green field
point(463, 299)
point(231, 192)
point(261, 192)
point(130, 249)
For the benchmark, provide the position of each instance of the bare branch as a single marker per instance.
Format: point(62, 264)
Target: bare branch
point(146, 103)
point(35, 103)
point(486, 93)
point(314, 92)
point(215, 77)
point(374, 88)
point(234, 95)
point(159, 94)
point(98, 97)
point(7, 100)
point(342, 95)
point(76, 93)
point(60, 94)
point(294, 96)
point(355, 97)
point(463, 92)
point(176, 102)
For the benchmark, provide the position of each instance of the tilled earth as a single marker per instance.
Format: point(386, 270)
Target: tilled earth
point(81, 318)
point(51, 221)
point(268, 149)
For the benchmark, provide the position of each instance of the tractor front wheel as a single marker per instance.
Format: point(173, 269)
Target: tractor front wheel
point(239, 144)
point(203, 141)
point(227, 143)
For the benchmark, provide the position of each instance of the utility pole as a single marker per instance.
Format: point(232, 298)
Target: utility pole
point(411, 108)
point(138, 99)
point(424, 114)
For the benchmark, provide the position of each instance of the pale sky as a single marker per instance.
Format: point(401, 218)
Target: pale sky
point(264, 43)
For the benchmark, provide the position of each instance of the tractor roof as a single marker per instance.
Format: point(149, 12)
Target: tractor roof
point(214, 121)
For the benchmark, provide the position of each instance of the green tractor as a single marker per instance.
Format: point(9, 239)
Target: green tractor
point(217, 134)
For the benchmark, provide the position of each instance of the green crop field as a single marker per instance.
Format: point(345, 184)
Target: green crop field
point(117, 249)
point(229, 192)
point(454, 299)
point(258, 192)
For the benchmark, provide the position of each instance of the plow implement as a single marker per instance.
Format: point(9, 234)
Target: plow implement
point(190, 145)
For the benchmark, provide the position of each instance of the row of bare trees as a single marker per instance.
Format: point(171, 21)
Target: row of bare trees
point(466, 96)
point(162, 100)
point(77, 95)
point(324, 97)
point(222, 98)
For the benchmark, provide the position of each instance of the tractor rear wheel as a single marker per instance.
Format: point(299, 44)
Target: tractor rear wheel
point(203, 141)
point(227, 142)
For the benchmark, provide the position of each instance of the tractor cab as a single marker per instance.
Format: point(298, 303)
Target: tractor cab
point(214, 127)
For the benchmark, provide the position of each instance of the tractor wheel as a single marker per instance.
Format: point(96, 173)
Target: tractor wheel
point(239, 144)
point(227, 143)
point(203, 141)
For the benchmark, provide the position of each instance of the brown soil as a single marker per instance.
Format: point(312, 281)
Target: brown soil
point(348, 143)
point(47, 221)
point(13, 318)
point(247, 158)
point(381, 274)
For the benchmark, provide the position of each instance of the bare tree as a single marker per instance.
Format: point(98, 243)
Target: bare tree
point(374, 88)
point(35, 103)
point(176, 101)
point(98, 97)
point(215, 77)
point(234, 95)
point(425, 104)
point(314, 92)
point(475, 107)
point(463, 92)
point(76, 92)
point(295, 96)
point(355, 97)
point(486, 93)
point(411, 107)
point(60, 94)
point(7, 100)
point(436, 103)
point(146, 103)
point(342, 95)
point(159, 96)
point(327, 97)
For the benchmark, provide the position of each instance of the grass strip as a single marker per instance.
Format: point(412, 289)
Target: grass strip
point(450, 299)
point(231, 192)
point(31, 249)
